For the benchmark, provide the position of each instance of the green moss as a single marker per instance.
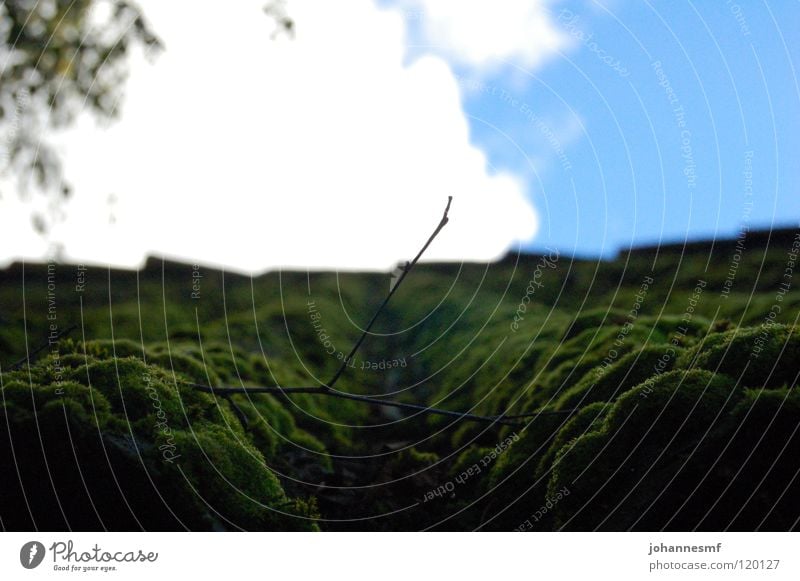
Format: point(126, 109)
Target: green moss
point(761, 356)
point(105, 348)
point(187, 362)
point(416, 459)
point(652, 448)
point(605, 383)
point(273, 371)
point(87, 404)
point(315, 450)
point(125, 416)
point(592, 319)
point(131, 387)
point(588, 419)
point(230, 477)
point(274, 432)
point(613, 472)
point(523, 456)
point(231, 364)
point(757, 451)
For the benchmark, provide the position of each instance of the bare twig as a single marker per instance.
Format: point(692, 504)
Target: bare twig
point(50, 340)
point(406, 270)
point(541, 413)
point(226, 392)
point(238, 411)
point(327, 389)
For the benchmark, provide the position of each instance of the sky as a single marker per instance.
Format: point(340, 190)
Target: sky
point(582, 126)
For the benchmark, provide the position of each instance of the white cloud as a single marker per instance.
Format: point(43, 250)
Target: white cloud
point(484, 35)
point(323, 151)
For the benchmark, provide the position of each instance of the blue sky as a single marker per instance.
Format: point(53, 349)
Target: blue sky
point(576, 125)
point(615, 172)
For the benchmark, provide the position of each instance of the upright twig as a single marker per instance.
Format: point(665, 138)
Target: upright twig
point(50, 340)
point(242, 417)
point(327, 388)
point(227, 392)
point(406, 270)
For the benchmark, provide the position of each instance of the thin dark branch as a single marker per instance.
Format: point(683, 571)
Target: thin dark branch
point(327, 389)
point(226, 392)
point(406, 270)
point(50, 340)
point(542, 413)
point(238, 411)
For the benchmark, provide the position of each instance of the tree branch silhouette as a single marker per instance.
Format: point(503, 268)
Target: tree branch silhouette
point(226, 392)
point(442, 223)
point(30, 356)
point(326, 389)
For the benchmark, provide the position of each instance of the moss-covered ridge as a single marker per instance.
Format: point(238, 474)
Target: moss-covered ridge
point(126, 446)
point(673, 406)
point(652, 446)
